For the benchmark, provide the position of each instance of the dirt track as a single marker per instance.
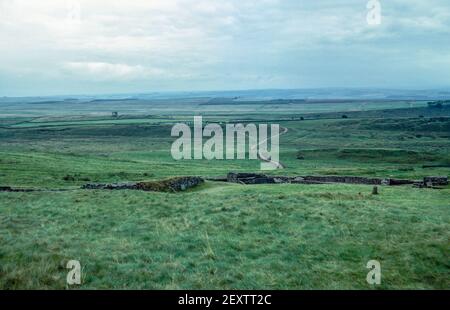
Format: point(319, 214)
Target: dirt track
point(278, 165)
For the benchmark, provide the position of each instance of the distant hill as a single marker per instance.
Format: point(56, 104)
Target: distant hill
point(281, 95)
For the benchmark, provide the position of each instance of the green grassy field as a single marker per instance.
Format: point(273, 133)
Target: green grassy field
point(223, 235)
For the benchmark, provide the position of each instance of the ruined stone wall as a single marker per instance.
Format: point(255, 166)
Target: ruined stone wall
point(170, 185)
point(254, 178)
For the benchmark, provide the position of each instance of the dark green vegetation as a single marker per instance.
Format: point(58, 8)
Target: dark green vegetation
point(222, 235)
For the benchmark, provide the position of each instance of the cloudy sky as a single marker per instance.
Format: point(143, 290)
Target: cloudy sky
point(52, 47)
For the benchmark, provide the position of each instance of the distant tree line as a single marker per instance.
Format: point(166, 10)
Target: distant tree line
point(438, 104)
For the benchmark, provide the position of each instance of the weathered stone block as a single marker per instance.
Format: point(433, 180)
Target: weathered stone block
point(436, 180)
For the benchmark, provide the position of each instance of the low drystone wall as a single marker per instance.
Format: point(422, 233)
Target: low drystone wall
point(170, 185)
point(254, 178)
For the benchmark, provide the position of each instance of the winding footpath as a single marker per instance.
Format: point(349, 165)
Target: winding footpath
point(277, 165)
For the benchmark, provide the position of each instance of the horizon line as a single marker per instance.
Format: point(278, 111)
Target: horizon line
point(154, 92)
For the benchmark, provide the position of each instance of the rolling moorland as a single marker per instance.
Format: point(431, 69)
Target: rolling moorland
point(221, 235)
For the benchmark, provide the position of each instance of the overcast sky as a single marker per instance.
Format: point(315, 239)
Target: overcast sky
point(52, 47)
